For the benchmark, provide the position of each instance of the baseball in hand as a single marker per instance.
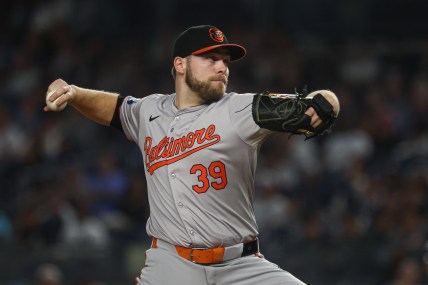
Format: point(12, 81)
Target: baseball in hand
point(52, 105)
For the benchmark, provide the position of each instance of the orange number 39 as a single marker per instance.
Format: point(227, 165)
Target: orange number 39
point(216, 170)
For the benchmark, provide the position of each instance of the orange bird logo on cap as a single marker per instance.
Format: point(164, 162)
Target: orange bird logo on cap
point(216, 35)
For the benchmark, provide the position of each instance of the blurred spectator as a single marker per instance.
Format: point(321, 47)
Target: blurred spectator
point(407, 272)
point(14, 142)
point(342, 149)
point(48, 274)
point(134, 206)
point(38, 220)
point(105, 184)
point(81, 230)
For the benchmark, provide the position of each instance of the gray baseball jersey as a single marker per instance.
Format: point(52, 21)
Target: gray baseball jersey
point(200, 165)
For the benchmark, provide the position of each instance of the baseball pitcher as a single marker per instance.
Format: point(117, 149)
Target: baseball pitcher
point(199, 147)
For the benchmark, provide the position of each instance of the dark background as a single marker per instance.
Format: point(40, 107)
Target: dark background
point(349, 208)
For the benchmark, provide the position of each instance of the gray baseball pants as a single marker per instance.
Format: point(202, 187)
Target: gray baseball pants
point(164, 266)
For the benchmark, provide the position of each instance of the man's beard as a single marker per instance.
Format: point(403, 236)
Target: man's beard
point(206, 89)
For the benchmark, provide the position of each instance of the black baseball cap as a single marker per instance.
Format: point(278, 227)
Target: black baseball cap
point(199, 39)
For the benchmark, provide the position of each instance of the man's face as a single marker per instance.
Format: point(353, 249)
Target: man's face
point(207, 74)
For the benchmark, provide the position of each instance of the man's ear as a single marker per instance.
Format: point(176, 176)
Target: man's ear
point(180, 64)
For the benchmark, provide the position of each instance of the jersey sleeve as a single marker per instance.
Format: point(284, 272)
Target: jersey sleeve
point(130, 116)
point(241, 117)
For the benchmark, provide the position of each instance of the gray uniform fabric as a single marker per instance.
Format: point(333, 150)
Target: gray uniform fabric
point(200, 165)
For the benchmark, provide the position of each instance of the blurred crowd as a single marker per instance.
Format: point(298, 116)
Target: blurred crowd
point(350, 208)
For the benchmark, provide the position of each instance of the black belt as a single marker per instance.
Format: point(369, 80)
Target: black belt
point(251, 247)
